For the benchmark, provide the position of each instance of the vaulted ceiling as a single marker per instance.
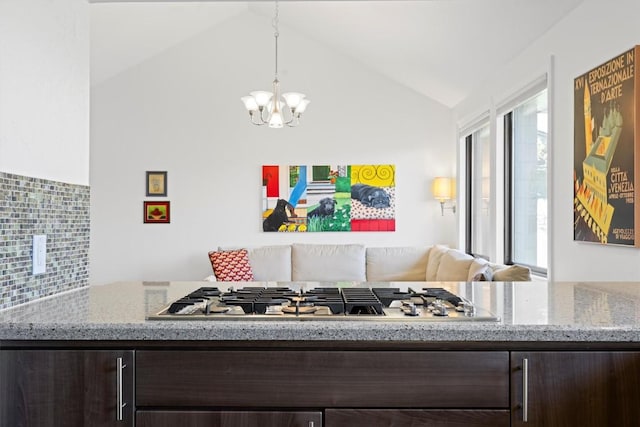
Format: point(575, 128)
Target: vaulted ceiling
point(439, 48)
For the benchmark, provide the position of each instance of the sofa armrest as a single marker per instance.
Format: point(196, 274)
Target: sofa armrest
point(511, 273)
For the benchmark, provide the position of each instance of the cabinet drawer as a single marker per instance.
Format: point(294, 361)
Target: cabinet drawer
point(320, 379)
point(416, 418)
point(228, 418)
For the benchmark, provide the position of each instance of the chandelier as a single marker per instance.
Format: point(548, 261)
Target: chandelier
point(271, 107)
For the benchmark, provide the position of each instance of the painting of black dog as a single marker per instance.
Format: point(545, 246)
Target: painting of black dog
point(326, 207)
point(278, 216)
point(371, 196)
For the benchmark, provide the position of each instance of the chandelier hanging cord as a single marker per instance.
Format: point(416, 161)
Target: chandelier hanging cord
point(275, 23)
point(273, 108)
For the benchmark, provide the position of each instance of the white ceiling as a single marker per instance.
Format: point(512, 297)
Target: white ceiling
point(439, 48)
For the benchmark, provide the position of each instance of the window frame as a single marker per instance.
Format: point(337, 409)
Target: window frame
point(469, 222)
point(508, 140)
point(509, 185)
point(468, 186)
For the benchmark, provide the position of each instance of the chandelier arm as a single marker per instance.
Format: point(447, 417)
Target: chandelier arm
point(263, 120)
point(289, 113)
point(295, 121)
point(252, 114)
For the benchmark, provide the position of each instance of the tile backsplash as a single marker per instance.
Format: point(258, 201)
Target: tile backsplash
point(59, 210)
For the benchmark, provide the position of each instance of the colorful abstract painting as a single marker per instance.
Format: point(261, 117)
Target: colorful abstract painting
point(328, 198)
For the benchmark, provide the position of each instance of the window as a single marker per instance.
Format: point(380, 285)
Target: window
point(525, 153)
point(477, 185)
point(510, 156)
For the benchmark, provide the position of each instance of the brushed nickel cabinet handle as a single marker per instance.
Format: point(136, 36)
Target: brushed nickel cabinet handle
point(120, 404)
point(311, 423)
point(525, 390)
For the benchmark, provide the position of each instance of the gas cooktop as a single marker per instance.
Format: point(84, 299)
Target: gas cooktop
point(323, 303)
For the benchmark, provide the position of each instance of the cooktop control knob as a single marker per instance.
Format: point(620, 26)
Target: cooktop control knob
point(410, 309)
point(439, 308)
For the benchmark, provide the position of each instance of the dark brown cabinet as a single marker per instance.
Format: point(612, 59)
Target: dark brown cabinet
point(416, 418)
point(375, 386)
point(586, 389)
point(228, 418)
point(66, 388)
point(323, 379)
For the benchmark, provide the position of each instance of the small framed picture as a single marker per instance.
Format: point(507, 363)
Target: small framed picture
point(157, 212)
point(157, 183)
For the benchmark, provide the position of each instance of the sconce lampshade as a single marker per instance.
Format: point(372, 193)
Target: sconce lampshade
point(443, 188)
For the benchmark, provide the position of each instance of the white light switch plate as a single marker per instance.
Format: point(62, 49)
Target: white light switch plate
point(39, 254)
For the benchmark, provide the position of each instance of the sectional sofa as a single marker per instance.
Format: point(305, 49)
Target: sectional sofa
point(355, 262)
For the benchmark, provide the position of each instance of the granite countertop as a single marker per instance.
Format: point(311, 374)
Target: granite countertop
point(527, 311)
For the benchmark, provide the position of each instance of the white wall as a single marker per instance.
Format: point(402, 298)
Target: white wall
point(593, 33)
point(44, 89)
point(180, 111)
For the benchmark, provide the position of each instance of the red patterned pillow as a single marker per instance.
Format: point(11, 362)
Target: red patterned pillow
point(231, 266)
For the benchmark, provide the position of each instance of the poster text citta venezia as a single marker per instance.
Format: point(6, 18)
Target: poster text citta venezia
point(620, 186)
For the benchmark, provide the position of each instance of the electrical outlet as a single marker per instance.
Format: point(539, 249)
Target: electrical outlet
point(39, 254)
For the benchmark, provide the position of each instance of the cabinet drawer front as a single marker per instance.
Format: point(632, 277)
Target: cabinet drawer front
point(369, 379)
point(416, 418)
point(65, 388)
point(228, 418)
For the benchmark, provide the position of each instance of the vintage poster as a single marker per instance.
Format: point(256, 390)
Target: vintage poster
point(317, 198)
point(605, 123)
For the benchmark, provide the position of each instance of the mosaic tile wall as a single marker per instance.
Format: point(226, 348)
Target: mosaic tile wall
point(31, 206)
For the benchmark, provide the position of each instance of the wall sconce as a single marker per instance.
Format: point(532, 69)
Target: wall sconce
point(444, 189)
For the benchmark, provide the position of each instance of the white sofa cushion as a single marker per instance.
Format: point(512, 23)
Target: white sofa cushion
point(316, 262)
point(397, 264)
point(269, 263)
point(435, 255)
point(454, 266)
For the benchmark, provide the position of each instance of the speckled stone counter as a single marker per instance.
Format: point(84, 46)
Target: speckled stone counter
point(528, 312)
